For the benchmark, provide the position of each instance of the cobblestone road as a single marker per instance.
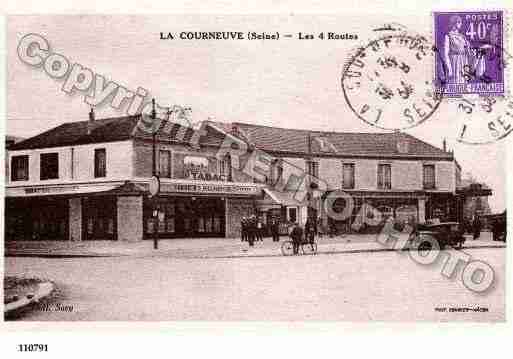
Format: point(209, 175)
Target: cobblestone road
point(357, 287)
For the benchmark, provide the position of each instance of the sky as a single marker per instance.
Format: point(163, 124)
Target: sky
point(293, 83)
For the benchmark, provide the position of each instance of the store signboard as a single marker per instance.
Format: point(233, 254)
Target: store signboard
point(207, 188)
point(63, 189)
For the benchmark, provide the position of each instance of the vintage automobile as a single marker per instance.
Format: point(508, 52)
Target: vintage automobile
point(445, 233)
point(497, 224)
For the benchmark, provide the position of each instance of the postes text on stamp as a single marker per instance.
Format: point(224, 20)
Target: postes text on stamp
point(469, 43)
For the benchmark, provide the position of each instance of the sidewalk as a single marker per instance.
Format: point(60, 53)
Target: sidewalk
point(206, 247)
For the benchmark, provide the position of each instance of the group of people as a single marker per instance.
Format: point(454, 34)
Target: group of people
point(251, 229)
point(298, 235)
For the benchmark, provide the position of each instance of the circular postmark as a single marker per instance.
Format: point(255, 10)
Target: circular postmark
point(389, 82)
point(483, 118)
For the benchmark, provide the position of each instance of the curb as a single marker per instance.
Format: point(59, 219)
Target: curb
point(262, 255)
point(66, 255)
point(370, 250)
point(44, 289)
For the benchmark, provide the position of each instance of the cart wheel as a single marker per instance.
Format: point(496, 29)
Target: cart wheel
point(287, 248)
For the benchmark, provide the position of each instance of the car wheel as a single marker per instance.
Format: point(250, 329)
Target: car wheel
point(424, 246)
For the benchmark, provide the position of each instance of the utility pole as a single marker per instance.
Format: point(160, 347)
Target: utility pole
point(309, 177)
point(155, 176)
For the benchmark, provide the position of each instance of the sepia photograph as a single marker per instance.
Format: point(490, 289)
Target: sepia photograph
point(261, 167)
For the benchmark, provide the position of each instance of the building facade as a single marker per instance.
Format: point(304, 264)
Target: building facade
point(368, 176)
point(89, 180)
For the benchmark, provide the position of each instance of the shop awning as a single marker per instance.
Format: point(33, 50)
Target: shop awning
point(60, 190)
point(279, 198)
point(474, 190)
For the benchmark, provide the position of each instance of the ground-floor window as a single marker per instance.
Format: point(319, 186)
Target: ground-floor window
point(36, 219)
point(367, 214)
point(99, 218)
point(184, 217)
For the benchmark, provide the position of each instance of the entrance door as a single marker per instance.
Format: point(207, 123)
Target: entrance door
point(209, 217)
point(99, 216)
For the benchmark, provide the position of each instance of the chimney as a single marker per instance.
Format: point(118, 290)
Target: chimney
point(90, 122)
point(444, 144)
point(235, 130)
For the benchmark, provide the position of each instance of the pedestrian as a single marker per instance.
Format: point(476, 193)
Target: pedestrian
point(251, 228)
point(320, 232)
point(477, 227)
point(332, 228)
point(297, 236)
point(310, 230)
point(259, 230)
point(243, 229)
point(275, 229)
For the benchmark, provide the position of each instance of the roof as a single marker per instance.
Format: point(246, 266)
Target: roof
point(269, 139)
point(295, 141)
point(11, 140)
point(76, 133)
point(110, 130)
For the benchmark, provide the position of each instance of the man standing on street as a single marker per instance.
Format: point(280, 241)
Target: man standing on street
point(275, 229)
point(297, 236)
point(243, 229)
point(251, 228)
point(310, 230)
point(477, 227)
point(259, 230)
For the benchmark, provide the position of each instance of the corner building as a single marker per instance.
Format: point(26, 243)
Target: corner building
point(89, 180)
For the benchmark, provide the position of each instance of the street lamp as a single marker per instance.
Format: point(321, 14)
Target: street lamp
point(154, 185)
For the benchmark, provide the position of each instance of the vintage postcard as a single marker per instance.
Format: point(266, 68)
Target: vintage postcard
point(274, 167)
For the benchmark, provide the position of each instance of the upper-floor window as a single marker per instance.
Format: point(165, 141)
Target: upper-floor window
point(165, 163)
point(225, 169)
point(429, 179)
point(49, 166)
point(100, 163)
point(384, 176)
point(20, 168)
point(313, 169)
point(348, 175)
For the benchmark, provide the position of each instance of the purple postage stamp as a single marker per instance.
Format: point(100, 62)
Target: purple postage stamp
point(470, 44)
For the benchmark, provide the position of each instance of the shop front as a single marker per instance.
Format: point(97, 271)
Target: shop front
point(37, 218)
point(366, 211)
point(61, 212)
point(185, 216)
point(284, 206)
point(192, 208)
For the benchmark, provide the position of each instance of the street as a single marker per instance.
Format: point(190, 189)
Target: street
point(348, 286)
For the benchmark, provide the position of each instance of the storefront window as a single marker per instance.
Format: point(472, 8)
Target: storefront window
point(170, 225)
point(150, 225)
point(293, 214)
